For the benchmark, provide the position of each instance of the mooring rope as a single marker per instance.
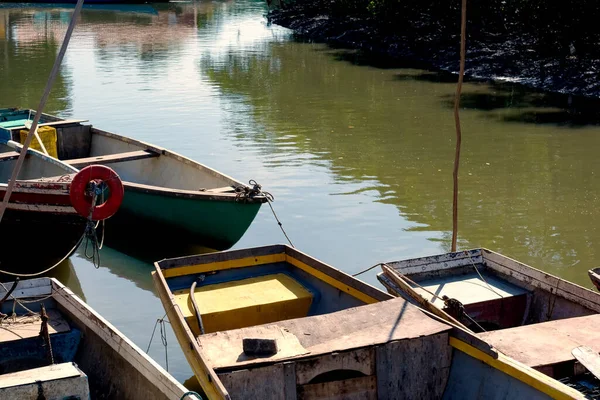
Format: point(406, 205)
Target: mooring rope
point(163, 337)
point(256, 190)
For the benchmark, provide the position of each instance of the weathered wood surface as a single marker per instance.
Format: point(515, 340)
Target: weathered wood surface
point(34, 287)
point(53, 123)
point(414, 369)
point(588, 358)
point(546, 343)
point(361, 360)
point(107, 350)
point(224, 348)
point(111, 158)
point(28, 327)
point(594, 275)
point(362, 388)
point(259, 383)
point(8, 156)
point(529, 277)
point(59, 381)
point(396, 284)
point(363, 326)
point(438, 262)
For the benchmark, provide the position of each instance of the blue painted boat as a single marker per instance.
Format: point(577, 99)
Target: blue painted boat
point(76, 354)
point(274, 323)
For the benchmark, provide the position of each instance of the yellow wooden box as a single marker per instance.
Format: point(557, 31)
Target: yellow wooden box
point(48, 136)
point(245, 302)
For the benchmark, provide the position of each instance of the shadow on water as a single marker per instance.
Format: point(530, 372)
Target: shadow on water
point(528, 105)
point(150, 243)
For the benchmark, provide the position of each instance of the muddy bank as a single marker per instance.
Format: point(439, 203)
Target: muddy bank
point(513, 55)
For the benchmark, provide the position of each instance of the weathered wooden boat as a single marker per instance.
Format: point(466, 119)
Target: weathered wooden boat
point(76, 354)
point(274, 323)
point(594, 275)
point(528, 314)
point(39, 204)
point(172, 194)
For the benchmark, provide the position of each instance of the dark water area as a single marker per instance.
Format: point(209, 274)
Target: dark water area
point(541, 45)
point(358, 153)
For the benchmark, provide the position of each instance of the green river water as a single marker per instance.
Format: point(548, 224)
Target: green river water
point(358, 154)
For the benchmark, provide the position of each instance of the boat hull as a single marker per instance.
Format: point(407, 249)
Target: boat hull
point(55, 237)
point(210, 223)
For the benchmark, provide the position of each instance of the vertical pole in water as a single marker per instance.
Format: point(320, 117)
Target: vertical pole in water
point(461, 74)
point(40, 109)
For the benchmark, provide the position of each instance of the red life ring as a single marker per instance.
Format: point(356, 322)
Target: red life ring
point(82, 201)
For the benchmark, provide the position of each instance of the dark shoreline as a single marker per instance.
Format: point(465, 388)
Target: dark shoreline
point(498, 58)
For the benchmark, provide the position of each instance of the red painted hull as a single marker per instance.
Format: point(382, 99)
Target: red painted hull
point(39, 228)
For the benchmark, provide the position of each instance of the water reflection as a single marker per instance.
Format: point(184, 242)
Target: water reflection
point(358, 156)
point(526, 189)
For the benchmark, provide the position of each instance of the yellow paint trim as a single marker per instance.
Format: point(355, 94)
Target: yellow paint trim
point(222, 265)
point(525, 374)
point(196, 362)
point(331, 281)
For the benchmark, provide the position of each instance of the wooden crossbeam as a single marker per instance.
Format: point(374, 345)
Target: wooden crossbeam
point(9, 155)
point(111, 158)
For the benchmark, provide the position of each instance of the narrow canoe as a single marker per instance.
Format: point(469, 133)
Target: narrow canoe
point(41, 206)
point(172, 194)
point(533, 316)
point(81, 341)
point(274, 323)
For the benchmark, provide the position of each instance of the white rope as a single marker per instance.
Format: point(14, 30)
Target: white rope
point(40, 109)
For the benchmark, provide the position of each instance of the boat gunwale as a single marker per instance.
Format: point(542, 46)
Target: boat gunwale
point(204, 195)
point(80, 313)
point(76, 308)
point(506, 268)
point(207, 195)
point(330, 275)
point(209, 380)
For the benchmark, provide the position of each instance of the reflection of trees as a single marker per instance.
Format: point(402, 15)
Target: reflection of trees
point(526, 190)
point(24, 67)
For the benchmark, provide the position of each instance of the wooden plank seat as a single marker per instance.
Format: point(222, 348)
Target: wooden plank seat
point(112, 158)
point(547, 346)
point(7, 125)
point(8, 156)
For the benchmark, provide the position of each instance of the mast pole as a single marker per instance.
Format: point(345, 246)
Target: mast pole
point(40, 109)
point(461, 74)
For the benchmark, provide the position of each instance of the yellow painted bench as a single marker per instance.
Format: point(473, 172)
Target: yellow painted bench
point(245, 302)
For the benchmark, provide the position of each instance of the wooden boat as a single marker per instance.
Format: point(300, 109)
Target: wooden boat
point(594, 275)
point(528, 314)
point(83, 356)
point(39, 204)
point(278, 324)
point(164, 191)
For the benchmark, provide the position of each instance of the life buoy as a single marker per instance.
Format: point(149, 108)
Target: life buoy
point(82, 201)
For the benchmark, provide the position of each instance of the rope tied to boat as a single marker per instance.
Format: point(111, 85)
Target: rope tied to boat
point(255, 190)
point(45, 334)
point(95, 190)
point(163, 336)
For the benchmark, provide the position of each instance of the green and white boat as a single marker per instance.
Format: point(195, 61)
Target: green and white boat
point(165, 192)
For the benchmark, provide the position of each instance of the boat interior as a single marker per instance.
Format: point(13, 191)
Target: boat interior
point(138, 164)
point(311, 331)
point(76, 354)
point(35, 166)
point(528, 314)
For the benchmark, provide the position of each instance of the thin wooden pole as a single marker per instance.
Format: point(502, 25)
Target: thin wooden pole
point(461, 74)
point(40, 109)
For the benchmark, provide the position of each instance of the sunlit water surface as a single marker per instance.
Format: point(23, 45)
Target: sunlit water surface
point(358, 157)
